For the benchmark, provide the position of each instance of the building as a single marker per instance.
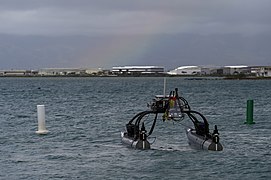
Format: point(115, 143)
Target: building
point(137, 70)
point(211, 70)
point(235, 70)
point(186, 70)
point(61, 71)
point(262, 71)
point(94, 71)
point(18, 72)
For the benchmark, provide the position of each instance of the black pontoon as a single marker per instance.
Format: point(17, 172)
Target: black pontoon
point(175, 108)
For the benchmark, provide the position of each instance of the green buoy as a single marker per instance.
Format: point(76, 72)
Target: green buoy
point(249, 112)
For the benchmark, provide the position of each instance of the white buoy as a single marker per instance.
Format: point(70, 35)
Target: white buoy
point(41, 120)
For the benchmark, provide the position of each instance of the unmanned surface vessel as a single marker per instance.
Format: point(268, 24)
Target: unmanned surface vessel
point(175, 108)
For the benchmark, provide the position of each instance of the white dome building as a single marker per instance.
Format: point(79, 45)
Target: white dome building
point(185, 70)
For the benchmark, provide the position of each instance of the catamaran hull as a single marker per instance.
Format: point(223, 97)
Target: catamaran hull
point(200, 142)
point(130, 142)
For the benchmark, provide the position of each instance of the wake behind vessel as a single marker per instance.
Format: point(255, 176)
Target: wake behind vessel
point(174, 108)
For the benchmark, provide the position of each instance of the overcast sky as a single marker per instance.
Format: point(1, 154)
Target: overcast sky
point(134, 17)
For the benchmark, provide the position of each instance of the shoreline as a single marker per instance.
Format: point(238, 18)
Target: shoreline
point(195, 78)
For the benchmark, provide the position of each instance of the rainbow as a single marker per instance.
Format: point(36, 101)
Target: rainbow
point(115, 50)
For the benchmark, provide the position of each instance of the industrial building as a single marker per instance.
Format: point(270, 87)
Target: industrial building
point(256, 71)
point(186, 70)
point(234, 70)
point(262, 71)
point(60, 71)
point(18, 72)
point(137, 70)
point(196, 70)
point(69, 71)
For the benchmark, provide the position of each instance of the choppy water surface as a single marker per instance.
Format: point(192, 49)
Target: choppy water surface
point(85, 117)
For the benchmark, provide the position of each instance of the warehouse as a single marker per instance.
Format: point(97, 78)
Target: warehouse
point(61, 71)
point(261, 71)
point(18, 72)
point(137, 70)
point(186, 70)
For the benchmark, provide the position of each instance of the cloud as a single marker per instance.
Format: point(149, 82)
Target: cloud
point(104, 33)
point(88, 17)
point(70, 17)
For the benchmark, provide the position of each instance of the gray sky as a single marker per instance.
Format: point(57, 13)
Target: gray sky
point(88, 17)
point(144, 18)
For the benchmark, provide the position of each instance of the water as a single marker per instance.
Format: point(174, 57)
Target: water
point(85, 117)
